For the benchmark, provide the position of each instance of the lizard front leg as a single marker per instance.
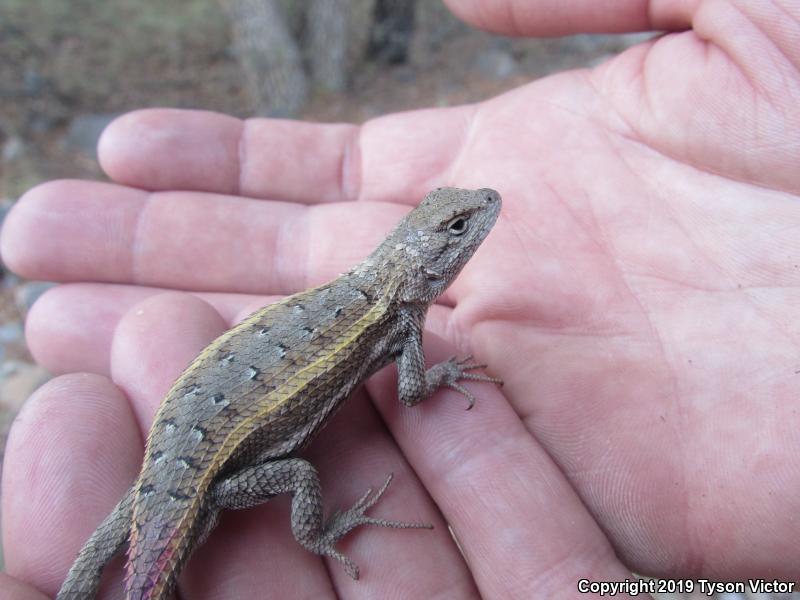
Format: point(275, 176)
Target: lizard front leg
point(256, 484)
point(415, 383)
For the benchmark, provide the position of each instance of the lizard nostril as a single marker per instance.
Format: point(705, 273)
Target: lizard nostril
point(489, 195)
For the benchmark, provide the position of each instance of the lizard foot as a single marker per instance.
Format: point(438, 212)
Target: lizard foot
point(454, 370)
point(341, 523)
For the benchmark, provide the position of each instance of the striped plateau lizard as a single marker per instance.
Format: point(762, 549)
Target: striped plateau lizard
point(228, 432)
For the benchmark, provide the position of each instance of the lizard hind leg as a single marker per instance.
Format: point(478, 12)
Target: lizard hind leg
point(341, 523)
point(256, 484)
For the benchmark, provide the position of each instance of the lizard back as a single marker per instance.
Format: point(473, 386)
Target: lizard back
point(250, 392)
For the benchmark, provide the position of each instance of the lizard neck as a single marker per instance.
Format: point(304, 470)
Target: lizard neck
point(381, 275)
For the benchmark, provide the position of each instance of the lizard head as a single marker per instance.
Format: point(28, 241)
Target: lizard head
point(435, 240)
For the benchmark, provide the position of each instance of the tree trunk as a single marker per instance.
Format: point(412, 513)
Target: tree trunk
point(338, 31)
point(392, 29)
point(269, 56)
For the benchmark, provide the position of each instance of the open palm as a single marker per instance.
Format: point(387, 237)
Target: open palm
point(637, 295)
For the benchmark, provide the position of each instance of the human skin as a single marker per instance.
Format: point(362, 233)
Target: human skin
point(638, 295)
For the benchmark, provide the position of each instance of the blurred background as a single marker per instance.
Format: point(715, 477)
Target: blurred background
point(69, 68)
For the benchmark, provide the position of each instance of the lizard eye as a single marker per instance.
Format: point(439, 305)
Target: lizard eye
point(458, 225)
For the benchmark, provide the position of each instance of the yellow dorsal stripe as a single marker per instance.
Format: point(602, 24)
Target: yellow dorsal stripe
point(210, 349)
point(274, 399)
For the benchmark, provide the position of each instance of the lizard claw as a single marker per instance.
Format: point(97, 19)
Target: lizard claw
point(464, 391)
point(342, 522)
point(454, 370)
point(350, 567)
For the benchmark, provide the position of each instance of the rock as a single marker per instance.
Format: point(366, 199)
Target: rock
point(40, 122)
point(28, 293)
point(33, 82)
point(631, 39)
point(589, 44)
point(11, 333)
point(8, 280)
point(598, 60)
point(5, 275)
point(84, 132)
point(496, 63)
point(597, 48)
point(404, 74)
point(18, 380)
point(5, 206)
point(13, 149)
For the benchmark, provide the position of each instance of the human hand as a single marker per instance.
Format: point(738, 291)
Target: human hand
point(636, 295)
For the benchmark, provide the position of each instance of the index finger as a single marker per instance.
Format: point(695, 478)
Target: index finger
point(400, 156)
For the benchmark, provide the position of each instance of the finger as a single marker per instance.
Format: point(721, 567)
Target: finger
point(507, 502)
point(70, 328)
point(72, 453)
point(749, 47)
point(553, 17)
point(80, 230)
point(356, 453)
point(206, 151)
point(153, 342)
point(13, 589)
point(158, 149)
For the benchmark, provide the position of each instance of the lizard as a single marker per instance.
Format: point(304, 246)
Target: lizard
point(228, 432)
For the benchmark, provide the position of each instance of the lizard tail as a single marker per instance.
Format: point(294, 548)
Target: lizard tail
point(106, 542)
point(160, 547)
point(153, 565)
